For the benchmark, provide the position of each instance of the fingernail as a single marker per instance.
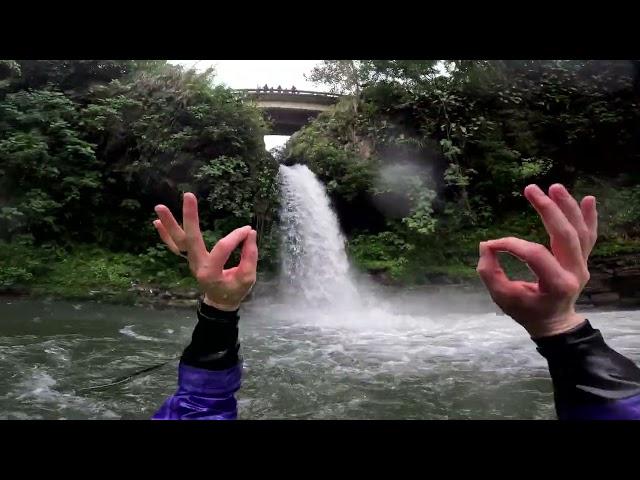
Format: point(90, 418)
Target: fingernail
point(558, 188)
point(533, 189)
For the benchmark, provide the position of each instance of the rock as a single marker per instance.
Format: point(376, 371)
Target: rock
point(382, 277)
point(628, 271)
point(629, 302)
point(583, 299)
point(606, 298)
point(166, 295)
point(598, 283)
point(188, 294)
point(627, 281)
point(182, 303)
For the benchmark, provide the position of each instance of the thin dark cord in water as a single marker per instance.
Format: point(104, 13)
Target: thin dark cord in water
point(126, 378)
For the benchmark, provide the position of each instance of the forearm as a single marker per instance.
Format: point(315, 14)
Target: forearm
point(590, 380)
point(209, 372)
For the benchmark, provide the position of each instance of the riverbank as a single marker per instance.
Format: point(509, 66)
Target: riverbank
point(614, 285)
point(161, 279)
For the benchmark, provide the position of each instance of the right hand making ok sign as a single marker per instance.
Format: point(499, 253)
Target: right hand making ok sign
point(545, 307)
point(224, 289)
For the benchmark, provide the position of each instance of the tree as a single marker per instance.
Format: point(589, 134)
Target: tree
point(342, 76)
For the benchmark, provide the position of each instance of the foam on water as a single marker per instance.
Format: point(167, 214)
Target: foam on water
point(128, 331)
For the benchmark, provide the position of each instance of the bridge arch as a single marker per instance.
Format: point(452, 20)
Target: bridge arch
point(290, 110)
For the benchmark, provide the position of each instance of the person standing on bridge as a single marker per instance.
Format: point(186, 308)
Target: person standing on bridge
point(279, 89)
point(293, 90)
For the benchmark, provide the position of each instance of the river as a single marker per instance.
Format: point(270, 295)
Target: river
point(299, 364)
point(321, 344)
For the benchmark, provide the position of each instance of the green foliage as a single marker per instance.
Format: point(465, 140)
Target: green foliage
point(89, 147)
point(342, 76)
point(618, 205)
point(49, 173)
point(480, 135)
point(385, 251)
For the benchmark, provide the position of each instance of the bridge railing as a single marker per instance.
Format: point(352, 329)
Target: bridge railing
point(283, 91)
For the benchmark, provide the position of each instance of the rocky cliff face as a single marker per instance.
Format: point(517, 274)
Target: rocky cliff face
point(615, 281)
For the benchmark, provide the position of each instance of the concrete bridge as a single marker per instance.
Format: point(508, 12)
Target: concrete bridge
point(290, 110)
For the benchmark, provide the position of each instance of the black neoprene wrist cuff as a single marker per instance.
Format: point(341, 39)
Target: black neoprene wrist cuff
point(560, 343)
point(214, 343)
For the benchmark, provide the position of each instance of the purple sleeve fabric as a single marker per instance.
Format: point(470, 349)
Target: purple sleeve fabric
point(203, 395)
point(625, 409)
point(209, 372)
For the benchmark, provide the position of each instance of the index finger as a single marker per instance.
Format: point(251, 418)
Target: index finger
point(225, 246)
point(490, 271)
point(249, 260)
point(541, 261)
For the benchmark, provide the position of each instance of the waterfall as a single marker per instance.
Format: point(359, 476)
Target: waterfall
point(315, 267)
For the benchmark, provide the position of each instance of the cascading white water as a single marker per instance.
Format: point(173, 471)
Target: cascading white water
point(315, 267)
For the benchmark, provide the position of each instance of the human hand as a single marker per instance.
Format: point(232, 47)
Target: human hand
point(224, 289)
point(545, 307)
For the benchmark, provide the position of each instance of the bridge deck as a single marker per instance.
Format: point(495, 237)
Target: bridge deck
point(290, 110)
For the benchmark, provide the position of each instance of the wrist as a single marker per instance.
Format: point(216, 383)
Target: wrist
point(556, 325)
point(220, 306)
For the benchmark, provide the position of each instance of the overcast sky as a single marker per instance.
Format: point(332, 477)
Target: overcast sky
point(253, 73)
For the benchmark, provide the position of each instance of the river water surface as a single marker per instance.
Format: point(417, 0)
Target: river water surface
point(298, 363)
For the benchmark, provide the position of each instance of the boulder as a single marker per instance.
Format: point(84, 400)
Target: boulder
point(605, 298)
point(599, 283)
point(627, 280)
point(628, 302)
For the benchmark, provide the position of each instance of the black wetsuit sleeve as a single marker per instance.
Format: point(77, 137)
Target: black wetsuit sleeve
point(210, 370)
point(590, 379)
point(214, 342)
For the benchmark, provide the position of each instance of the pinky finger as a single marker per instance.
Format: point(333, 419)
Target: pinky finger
point(590, 214)
point(166, 238)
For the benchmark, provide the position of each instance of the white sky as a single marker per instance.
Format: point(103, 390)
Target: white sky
point(254, 73)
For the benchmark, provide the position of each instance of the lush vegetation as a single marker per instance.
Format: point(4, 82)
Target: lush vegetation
point(422, 166)
point(87, 148)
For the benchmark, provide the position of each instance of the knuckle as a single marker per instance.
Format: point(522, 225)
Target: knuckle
point(224, 244)
point(538, 249)
point(568, 286)
point(585, 275)
point(584, 233)
point(566, 232)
